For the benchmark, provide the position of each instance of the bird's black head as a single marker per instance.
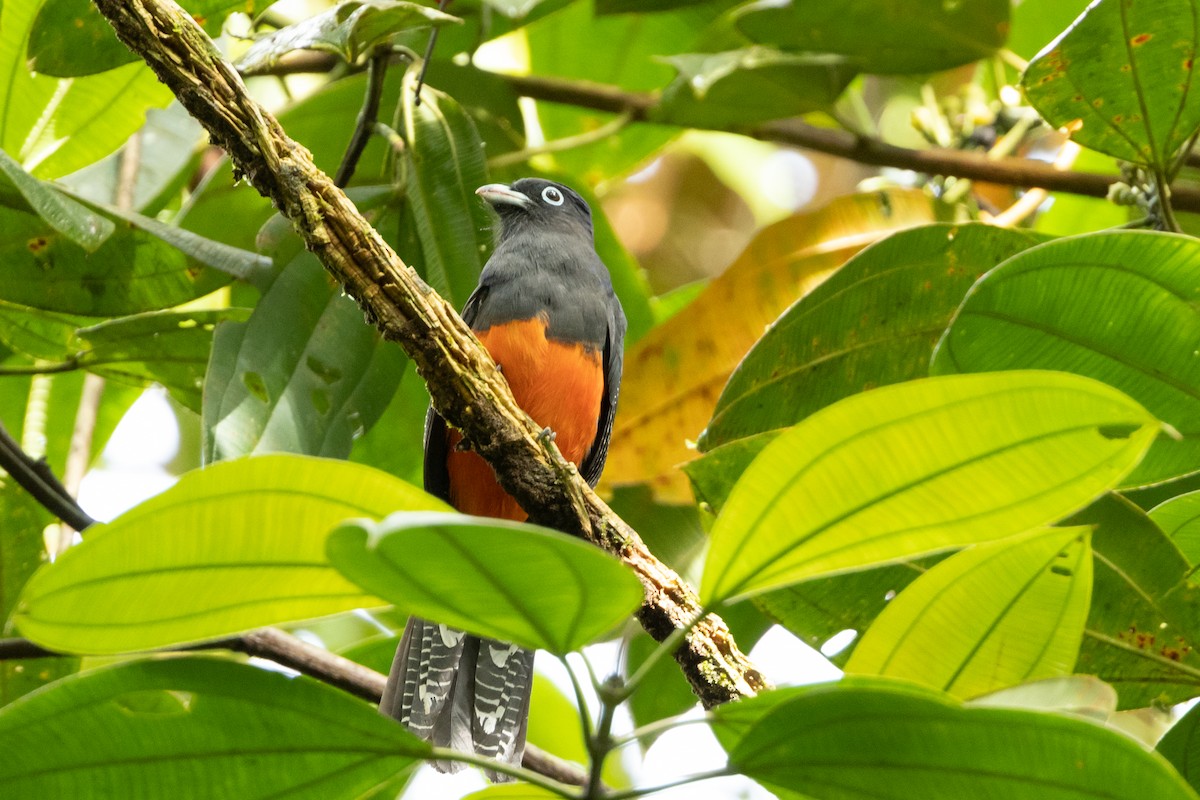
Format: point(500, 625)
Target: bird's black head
point(538, 203)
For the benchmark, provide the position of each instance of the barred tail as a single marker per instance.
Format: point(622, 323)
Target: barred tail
point(459, 691)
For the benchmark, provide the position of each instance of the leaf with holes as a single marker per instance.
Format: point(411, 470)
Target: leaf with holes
point(1120, 79)
point(504, 580)
point(302, 375)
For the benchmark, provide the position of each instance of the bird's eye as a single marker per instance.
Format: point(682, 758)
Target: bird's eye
point(552, 196)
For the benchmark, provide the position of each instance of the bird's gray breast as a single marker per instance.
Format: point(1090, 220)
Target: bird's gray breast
point(559, 279)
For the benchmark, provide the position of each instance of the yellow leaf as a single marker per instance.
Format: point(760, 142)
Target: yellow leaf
point(674, 375)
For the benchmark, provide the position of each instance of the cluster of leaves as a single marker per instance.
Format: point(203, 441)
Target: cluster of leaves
point(977, 515)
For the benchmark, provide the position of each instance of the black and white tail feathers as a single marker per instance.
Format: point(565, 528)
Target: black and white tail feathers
point(460, 691)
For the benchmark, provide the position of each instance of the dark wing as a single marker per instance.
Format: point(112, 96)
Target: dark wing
point(614, 359)
point(437, 480)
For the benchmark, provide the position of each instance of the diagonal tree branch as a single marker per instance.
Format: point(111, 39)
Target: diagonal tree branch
point(463, 381)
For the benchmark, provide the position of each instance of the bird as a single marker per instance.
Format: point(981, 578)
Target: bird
point(546, 310)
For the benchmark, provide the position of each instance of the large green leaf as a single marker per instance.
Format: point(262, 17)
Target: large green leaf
point(874, 322)
point(304, 374)
point(504, 580)
point(446, 166)
point(755, 84)
point(918, 468)
point(168, 153)
point(349, 29)
point(38, 334)
point(167, 347)
point(1121, 307)
point(1179, 519)
point(231, 547)
point(1142, 631)
point(197, 728)
point(1120, 79)
point(76, 222)
point(145, 265)
point(874, 740)
point(883, 36)
point(54, 126)
point(990, 617)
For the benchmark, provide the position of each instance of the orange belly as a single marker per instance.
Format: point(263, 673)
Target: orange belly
point(558, 384)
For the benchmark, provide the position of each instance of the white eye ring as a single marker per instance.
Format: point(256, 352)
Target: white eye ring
point(552, 196)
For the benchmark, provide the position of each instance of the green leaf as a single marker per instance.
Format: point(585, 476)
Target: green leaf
point(70, 38)
point(197, 728)
point(168, 156)
point(446, 163)
point(54, 127)
point(1181, 746)
point(349, 29)
point(38, 334)
point(755, 84)
point(1119, 79)
point(918, 468)
point(229, 548)
point(1179, 519)
point(134, 270)
point(873, 323)
point(818, 609)
point(642, 6)
point(168, 347)
point(1120, 307)
point(21, 552)
point(77, 222)
point(1141, 633)
point(875, 740)
point(992, 616)
point(505, 580)
point(714, 474)
point(555, 49)
point(881, 36)
point(303, 374)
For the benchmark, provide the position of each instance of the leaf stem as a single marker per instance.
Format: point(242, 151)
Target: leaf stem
point(610, 128)
point(585, 714)
point(724, 772)
point(36, 477)
point(1166, 212)
point(503, 767)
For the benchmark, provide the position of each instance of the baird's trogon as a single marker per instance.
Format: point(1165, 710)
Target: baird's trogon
point(546, 311)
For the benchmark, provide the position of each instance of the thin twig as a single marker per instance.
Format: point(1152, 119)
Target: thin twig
point(433, 37)
point(643, 107)
point(610, 128)
point(36, 477)
point(377, 67)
